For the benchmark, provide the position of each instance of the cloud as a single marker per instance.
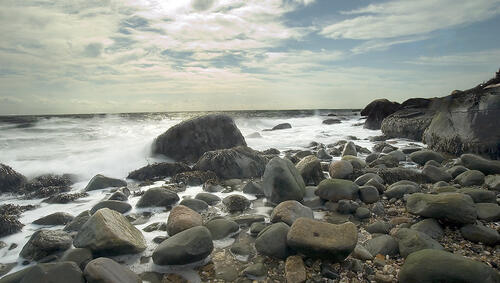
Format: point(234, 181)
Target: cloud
point(476, 58)
point(384, 44)
point(410, 18)
point(93, 50)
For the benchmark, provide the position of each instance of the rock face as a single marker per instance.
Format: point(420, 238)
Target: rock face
point(429, 266)
point(464, 123)
point(190, 139)
point(337, 189)
point(310, 169)
point(158, 171)
point(182, 218)
point(475, 162)
point(10, 180)
point(289, 211)
point(321, 239)
point(238, 162)
point(107, 270)
point(450, 207)
point(160, 197)
point(100, 182)
point(282, 181)
point(44, 243)
point(188, 246)
point(107, 232)
point(376, 111)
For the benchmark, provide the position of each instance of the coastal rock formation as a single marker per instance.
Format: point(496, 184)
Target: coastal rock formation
point(44, 243)
point(238, 162)
point(99, 182)
point(158, 171)
point(10, 180)
point(376, 111)
point(190, 139)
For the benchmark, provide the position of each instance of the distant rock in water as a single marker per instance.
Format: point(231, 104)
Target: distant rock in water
point(331, 121)
point(99, 182)
point(377, 110)
point(10, 180)
point(158, 171)
point(188, 140)
point(281, 126)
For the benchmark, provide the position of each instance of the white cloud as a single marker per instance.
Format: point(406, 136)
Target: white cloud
point(476, 58)
point(384, 44)
point(406, 18)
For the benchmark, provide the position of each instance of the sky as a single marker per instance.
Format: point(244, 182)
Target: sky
point(109, 56)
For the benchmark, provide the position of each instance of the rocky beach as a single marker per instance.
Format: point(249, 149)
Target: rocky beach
point(395, 192)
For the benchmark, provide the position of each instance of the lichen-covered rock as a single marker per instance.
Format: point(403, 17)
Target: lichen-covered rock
point(44, 243)
point(337, 189)
point(158, 171)
point(10, 180)
point(310, 169)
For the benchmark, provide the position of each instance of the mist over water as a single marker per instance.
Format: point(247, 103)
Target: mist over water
point(116, 144)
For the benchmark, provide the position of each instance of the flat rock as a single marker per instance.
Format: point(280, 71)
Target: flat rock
point(488, 211)
point(480, 234)
point(158, 197)
point(321, 239)
point(195, 204)
point(208, 198)
point(430, 227)
point(289, 211)
point(479, 195)
point(450, 207)
point(422, 156)
point(470, 178)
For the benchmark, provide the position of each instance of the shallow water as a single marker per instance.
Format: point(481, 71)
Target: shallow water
point(116, 144)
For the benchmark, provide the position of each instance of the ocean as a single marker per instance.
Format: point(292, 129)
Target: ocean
point(115, 144)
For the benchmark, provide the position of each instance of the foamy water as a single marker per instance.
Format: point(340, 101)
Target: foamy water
point(114, 145)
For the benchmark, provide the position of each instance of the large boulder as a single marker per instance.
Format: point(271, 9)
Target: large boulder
point(475, 162)
point(321, 239)
point(158, 197)
point(376, 111)
point(289, 211)
point(44, 243)
point(450, 207)
point(188, 246)
point(238, 162)
point(99, 182)
point(190, 139)
point(182, 218)
point(106, 270)
point(337, 189)
point(282, 181)
point(431, 266)
point(10, 180)
point(470, 178)
point(465, 122)
point(310, 169)
point(107, 232)
point(158, 171)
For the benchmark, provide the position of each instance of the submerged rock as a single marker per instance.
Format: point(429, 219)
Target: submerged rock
point(190, 139)
point(282, 181)
point(99, 182)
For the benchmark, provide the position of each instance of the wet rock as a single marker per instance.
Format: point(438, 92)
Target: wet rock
point(208, 198)
point(492, 182)
point(480, 234)
point(247, 220)
point(422, 156)
point(331, 121)
point(470, 178)
point(195, 178)
point(383, 244)
point(289, 211)
point(479, 195)
point(56, 182)
point(362, 213)
point(337, 189)
point(436, 174)
point(399, 190)
point(119, 196)
point(349, 149)
point(221, 228)
point(363, 179)
point(282, 181)
point(385, 161)
point(212, 187)
point(182, 218)
point(255, 270)
point(157, 226)
point(57, 218)
point(238, 162)
point(107, 232)
point(59, 272)
point(361, 253)
point(393, 175)
point(410, 241)
point(282, 126)
point(157, 171)
point(235, 203)
point(118, 206)
point(272, 241)
point(430, 227)
point(379, 227)
point(475, 162)
point(10, 180)
point(79, 256)
point(77, 222)
point(340, 169)
point(456, 170)
point(99, 182)
point(323, 155)
point(398, 155)
point(63, 198)
point(158, 197)
point(488, 211)
point(309, 168)
point(368, 194)
point(450, 207)
point(257, 227)
point(253, 188)
point(347, 206)
point(109, 271)
point(195, 204)
point(426, 266)
point(295, 270)
point(188, 246)
point(44, 243)
point(9, 224)
point(190, 139)
point(321, 239)
point(376, 111)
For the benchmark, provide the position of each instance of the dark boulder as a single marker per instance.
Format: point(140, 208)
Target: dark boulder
point(158, 171)
point(281, 126)
point(57, 272)
point(282, 181)
point(160, 197)
point(188, 140)
point(377, 110)
point(238, 162)
point(106, 270)
point(44, 243)
point(57, 218)
point(10, 180)
point(475, 162)
point(99, 182)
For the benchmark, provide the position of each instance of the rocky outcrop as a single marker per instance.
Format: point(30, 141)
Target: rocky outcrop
point(10, 180)
point(99, 182)
point(158, 171)
point(376, 111)
point(238, 162)
point(190, 139)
